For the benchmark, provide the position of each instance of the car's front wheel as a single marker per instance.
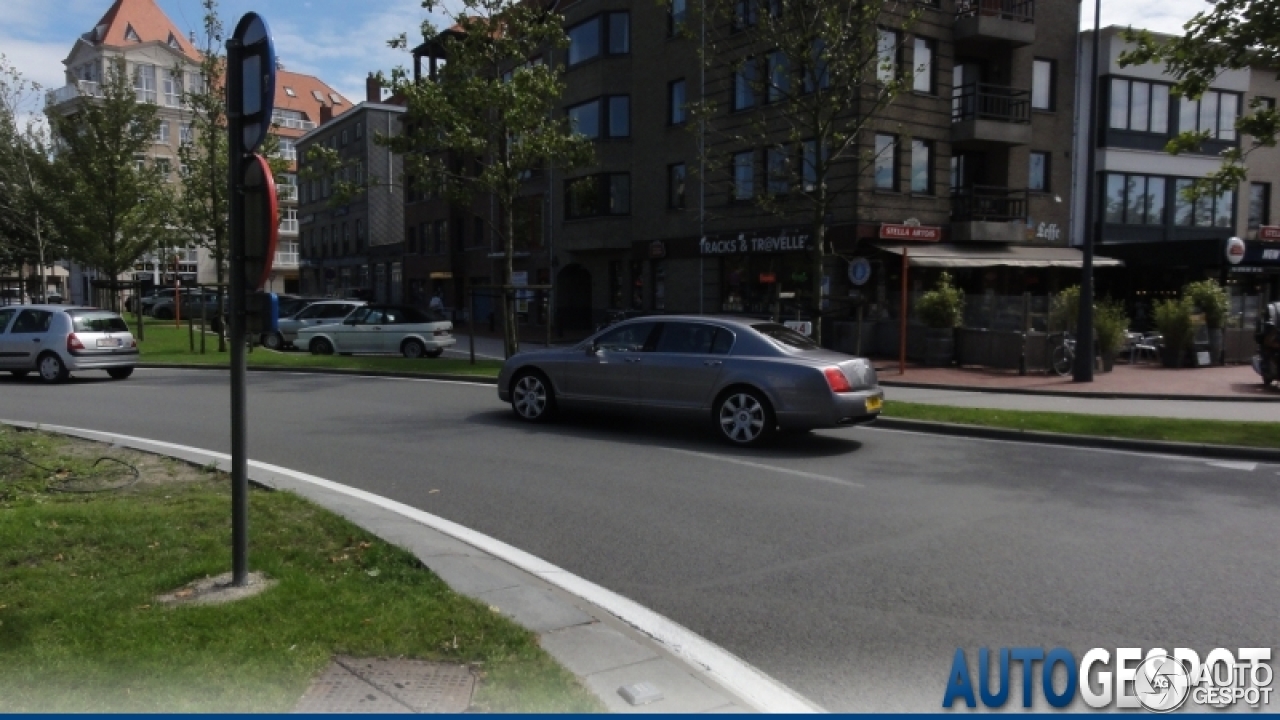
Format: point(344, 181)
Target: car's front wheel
point(413, 349)
point(52, 369)
point(273, 341)
point(321, 346)
point(120, 373)
point(532, 398)
point(743, 417)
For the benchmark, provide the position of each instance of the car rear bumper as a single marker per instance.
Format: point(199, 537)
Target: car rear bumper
point(434, 343)
point(101, 362)
point(843, 409)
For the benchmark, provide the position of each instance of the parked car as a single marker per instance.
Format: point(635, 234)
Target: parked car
point(380, 329)
point(156, 296)
point(290, 305)
point(56, 340)
point(750, 378)
point(191, 307)
point(13, 296)
point(320, 312)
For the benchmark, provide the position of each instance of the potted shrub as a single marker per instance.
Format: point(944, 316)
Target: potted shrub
point(1064, 313)
point(941, 310)
point(1173, 320)
point(1110, 324)
point(1211, 298)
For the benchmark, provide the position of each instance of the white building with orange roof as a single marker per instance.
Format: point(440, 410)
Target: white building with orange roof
point(163, 61)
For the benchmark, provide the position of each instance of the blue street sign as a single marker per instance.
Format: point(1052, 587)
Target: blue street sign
point(859, 271)
point(257, 69)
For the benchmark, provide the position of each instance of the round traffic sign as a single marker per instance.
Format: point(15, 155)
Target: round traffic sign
point(1235, 250)
point(261, 222)
point(859, 271)
point(257, 71)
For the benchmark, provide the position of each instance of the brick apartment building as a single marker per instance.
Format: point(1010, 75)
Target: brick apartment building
point(978, 157)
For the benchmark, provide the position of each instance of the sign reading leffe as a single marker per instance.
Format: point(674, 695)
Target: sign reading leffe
point(743, 243)
point(910, 232)
point(1269, 232)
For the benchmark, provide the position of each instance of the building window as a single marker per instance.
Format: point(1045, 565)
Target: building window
point(1259, 205)
point(584, 119)
point(1205, 211)
point(584, 41)
point(744, 14)
point(184, 134)
point(675, 186)
point(1134, 200)
point(922, 81)
point(886, 166)
point(1043, 84)
point(144, 83)
point(597, 195)
point(887, 50)
point(162, 132)
point(777, 171)
point(1214, 113)
point(779, 76)
point(619, 40)
point(165, 170)
point(1140, 106)
point(921, 166)
point(611, 113)
point(816, 73)
point(744, 80)
point(744, 175)
point(678, 112)
point(359, 130)
point(619, 115)
point(359, 235)
point(439, 236)
point(609, 33)
point(809, 163)
point(676, 16)
point(1262, 102)
point(1038, 172)
point(478, 232)
point(172, 88)
point(344, 138)
point(289, 91)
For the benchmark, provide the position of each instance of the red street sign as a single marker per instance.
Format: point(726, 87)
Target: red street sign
point(1269, 232)
point(768, 278)
point(261, 222)
point(910, 232)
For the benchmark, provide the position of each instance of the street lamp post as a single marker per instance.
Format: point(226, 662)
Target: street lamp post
point(1083, 370)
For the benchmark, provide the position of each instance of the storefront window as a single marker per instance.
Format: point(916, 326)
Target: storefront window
point(755, 284)
point(660, 285)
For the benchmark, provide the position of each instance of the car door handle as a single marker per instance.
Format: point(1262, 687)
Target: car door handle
point(375, 327)
point(633, 360)
point(711, 363)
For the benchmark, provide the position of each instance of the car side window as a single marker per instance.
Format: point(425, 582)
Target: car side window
point(33, 321)
point(723, 342)
point(627, 338)
point(374, 317)
point(685, 338)
point(335, 311)
point(358, 316)
point(391, 316)
point(5, 317)
point(311, 312)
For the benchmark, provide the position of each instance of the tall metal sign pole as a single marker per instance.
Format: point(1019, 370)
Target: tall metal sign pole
point(1083, 370)
point(250, 95)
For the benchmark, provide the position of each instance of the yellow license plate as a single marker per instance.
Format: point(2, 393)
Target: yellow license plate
point(874, 403)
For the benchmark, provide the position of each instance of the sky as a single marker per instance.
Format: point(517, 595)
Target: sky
point(341, 41)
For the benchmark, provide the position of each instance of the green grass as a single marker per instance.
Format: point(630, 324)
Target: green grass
point(1210, 432)
point(80, 629)
point(165, 344)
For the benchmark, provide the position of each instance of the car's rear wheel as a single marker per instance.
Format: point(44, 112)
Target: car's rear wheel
point(413, 349)
point(321, 346)
point(52, 369)
point(19, 373)
point(743, 417)
point(435, 353)
point(273, 341)
point(532, 398)
point(120, 373)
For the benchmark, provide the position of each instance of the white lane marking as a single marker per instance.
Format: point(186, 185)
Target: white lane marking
point(760, 690)
point(1229, 465)
point(772, 468)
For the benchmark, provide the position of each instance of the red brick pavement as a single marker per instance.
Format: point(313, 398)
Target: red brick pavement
point(1232, 381)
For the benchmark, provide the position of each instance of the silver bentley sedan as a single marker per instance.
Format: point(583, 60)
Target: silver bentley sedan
point(751, 378)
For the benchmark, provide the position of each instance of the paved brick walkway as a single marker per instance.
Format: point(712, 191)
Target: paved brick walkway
point(1141, 379)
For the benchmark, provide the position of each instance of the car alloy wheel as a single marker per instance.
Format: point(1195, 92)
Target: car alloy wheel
point(52, 369)
point(744, 418)
point(272, 341)
point(320, 346)
point(531, 397)
point(412, 349)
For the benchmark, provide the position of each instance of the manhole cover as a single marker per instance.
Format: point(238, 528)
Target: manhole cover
point(370, 685)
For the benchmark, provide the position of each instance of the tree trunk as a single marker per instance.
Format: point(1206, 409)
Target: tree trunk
point(511, 341)
point(816, 256)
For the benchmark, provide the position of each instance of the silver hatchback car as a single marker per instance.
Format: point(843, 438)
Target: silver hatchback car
point(56, 340)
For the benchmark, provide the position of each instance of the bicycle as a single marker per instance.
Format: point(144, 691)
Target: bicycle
point(1064, 356)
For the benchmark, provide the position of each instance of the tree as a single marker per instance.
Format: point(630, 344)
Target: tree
point(471, 132)
point(24, 169)
point(202, 206)
point(114, 205)
point(1233, 35)
point(825, 73)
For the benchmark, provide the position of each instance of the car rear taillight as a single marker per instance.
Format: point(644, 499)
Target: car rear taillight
point(133, 343)
point(836, 380)
point(73, 343)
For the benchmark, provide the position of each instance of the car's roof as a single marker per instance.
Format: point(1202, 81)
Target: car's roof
point(335, 300)
point(726, 319)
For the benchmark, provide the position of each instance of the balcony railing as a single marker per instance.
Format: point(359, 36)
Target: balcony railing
point(983, 203)
point(289, 226)
point(293, 123)
point(286, 256)
point(981, 101)
point(1016, 10)
point(287, 192)
point(80, 88)
point(287, 154)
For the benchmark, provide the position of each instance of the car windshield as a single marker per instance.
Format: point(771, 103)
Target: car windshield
point(785, 336)
point(98, 322)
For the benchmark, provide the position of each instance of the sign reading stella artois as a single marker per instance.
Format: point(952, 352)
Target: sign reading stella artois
point(907, 231)
point(1269, 232)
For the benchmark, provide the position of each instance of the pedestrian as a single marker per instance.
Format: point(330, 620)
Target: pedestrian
point(437, 304)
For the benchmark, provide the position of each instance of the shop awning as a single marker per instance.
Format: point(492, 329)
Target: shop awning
point(973, 256)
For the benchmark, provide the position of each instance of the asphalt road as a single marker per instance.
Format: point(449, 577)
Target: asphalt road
point(849, 564)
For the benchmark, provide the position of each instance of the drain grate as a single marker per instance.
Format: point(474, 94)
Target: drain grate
point(371, 685)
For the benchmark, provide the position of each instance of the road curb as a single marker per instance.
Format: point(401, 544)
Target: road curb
point(1073, 394)
point(1222, 452)
point(479, 379)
